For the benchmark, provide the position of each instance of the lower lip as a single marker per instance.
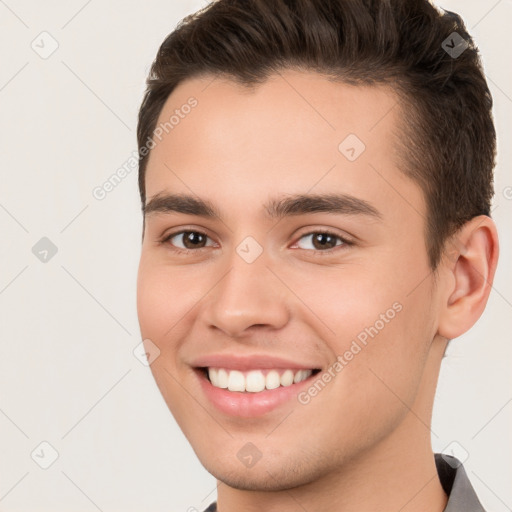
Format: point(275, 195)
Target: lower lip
point(249, 405)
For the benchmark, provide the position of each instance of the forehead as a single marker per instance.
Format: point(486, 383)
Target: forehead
point(293, 133)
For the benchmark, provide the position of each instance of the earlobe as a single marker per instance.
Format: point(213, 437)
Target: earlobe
point(470, 264)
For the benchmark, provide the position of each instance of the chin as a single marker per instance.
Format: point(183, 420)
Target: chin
point(247, 480)
point(264, 476)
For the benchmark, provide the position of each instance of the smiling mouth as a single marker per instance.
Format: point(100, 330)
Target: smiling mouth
point(255, 381)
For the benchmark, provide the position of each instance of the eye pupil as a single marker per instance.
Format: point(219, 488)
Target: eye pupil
point(321, 240)
point(193, 238)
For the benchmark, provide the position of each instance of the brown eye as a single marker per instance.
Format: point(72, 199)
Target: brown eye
point(193, 239)
point(321, 241)
point(188, 240)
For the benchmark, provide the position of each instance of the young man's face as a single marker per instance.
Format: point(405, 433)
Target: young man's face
point(263, 292)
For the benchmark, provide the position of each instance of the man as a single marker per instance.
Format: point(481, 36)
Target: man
point(316, 178)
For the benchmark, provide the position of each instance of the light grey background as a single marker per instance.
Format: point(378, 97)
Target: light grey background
point(68, 375)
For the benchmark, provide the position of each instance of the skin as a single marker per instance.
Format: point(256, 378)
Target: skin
point(363, 442)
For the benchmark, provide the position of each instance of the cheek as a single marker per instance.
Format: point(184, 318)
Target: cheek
point(164, 297)
point(379, 321)
point(347, 299)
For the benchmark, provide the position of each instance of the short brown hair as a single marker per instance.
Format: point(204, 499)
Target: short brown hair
point(449, 141)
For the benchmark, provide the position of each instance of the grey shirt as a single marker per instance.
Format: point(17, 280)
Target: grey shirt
point(455, 482)
point(456, 485)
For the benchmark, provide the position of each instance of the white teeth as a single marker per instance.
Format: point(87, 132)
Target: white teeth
point(236, 381)
point(287, 378)
point(298, 377)
point(254, 381)
point(213, 374)
point(272, 380)
point(301, 375)
point(306, 374)
point(222, 378)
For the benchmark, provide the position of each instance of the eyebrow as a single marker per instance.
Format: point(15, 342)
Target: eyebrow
point(276, 208)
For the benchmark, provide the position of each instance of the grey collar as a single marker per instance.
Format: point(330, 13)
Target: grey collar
point(456, 484)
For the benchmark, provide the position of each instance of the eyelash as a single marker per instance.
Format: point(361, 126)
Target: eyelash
point(179, 250)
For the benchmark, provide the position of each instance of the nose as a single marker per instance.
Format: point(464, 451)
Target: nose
point(249, 296)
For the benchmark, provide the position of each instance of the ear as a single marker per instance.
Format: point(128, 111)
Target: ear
point(469, 264)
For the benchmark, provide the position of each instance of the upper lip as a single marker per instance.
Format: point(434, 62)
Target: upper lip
point(249, 362)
